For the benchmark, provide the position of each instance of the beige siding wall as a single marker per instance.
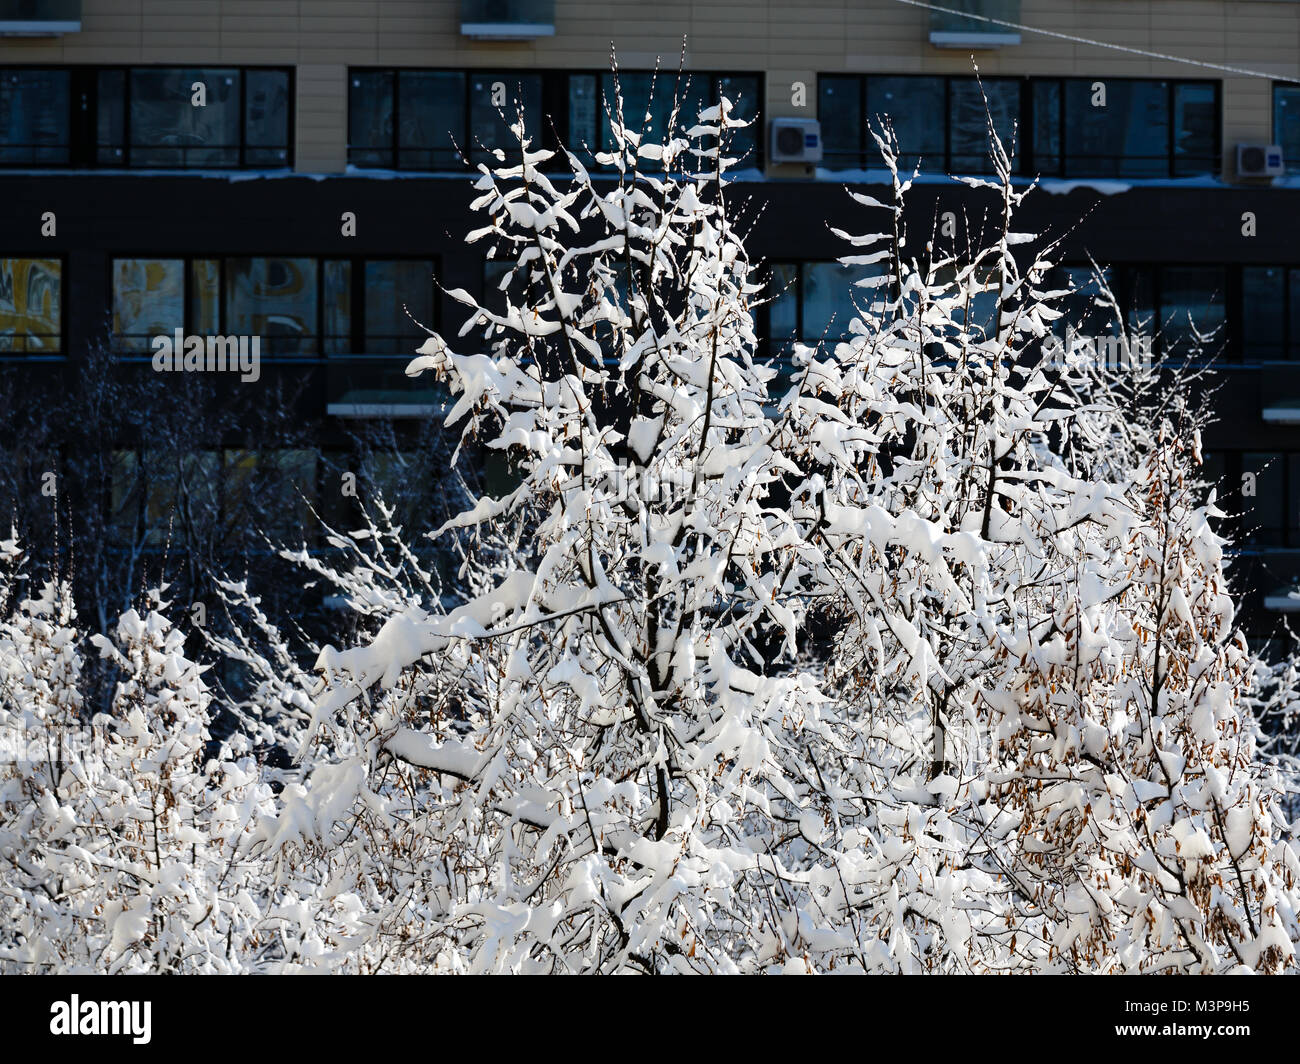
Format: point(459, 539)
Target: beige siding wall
point(789, 40)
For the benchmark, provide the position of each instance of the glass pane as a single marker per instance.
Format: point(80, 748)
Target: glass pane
point(968, 119)
point(205, 296)
point(180, 496)
point(266, 117)
point(268, 492)
point(494, 102)
point(1191, 302)
point(370, 118)
point(34, 116)
point(843, 128)
point(1293, 297)
point(1140, 301)
point(1286, 124)
point(399, 300)
point(1047, 127)
point(1196, 128)
point(30, 306)
point(913, 106)
point(585, 115)
point(170, 129)
point(110, 118)
point(1116, 128)
point(830, 297)
point(1263, 312)
point(431, 114)
point(783, 311)
point(1263, 513)
point(274, 298)
point(1079, 310)
point(743, 92)
point(646, 110)
point(148, 301)
point(338, 307)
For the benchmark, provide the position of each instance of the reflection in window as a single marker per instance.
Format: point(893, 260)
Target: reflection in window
point(269, 492)
point(812, 301)
point(1263, 312)
point(163, 497)
point(913, 106)
point(274, 298)
point(1286, 124)
point(1126, 136)
point(1191, 309)
point(971, 106)
point(35, 124)
point(494, 103)
point(148, 117)
point(31, 310)
point(1074, 127)
point(399, 301)
point(148, 301)
point(1264, 516)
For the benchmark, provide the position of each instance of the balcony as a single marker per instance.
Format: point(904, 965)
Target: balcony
point(962, 24)
point(507, 20)
point(39, 18)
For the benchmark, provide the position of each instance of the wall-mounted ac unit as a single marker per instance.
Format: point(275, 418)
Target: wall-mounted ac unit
point(1260, 160)
point(795, 140)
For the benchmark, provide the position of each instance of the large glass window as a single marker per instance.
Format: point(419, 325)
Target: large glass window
point(276, 299)
point(1072, 127)
point(399, 304)
point(1264, 312)
point(911, 106)
point(428, 119)
point(972, 105)
point(192, 117)
point(295, 305)
point(148, 301)
point(35, 120)
point(815, 301)
point(1286, 124)
point(31, 306)
point(1191, 309)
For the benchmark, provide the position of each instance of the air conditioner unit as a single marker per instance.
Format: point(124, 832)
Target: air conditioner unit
point(1259, 160)
point(795, 140)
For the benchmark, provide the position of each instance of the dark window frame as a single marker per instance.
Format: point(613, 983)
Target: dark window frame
point(1027, 151)
point(85, 104)
point(554, 93)
point(70, 117)
point(356, 300)
point(61, 353)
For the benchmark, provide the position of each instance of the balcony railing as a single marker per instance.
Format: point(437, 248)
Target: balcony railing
point(39, 18)
point(955, 27)
point(507, 20)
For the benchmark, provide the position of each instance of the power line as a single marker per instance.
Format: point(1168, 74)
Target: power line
point(1096, 44)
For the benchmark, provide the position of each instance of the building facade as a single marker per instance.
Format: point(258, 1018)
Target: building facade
point(293, 171)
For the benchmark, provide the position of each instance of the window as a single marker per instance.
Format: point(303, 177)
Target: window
point(1270, 312)
point(31, 306)
point(35, 117)
point(192, 117)
point(1286, 124)
point(298, 306)
point(426, 119)
point(1070, 127)
point(399, 297)
point(812, 301)
point(173, 118)
point(213, 497)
